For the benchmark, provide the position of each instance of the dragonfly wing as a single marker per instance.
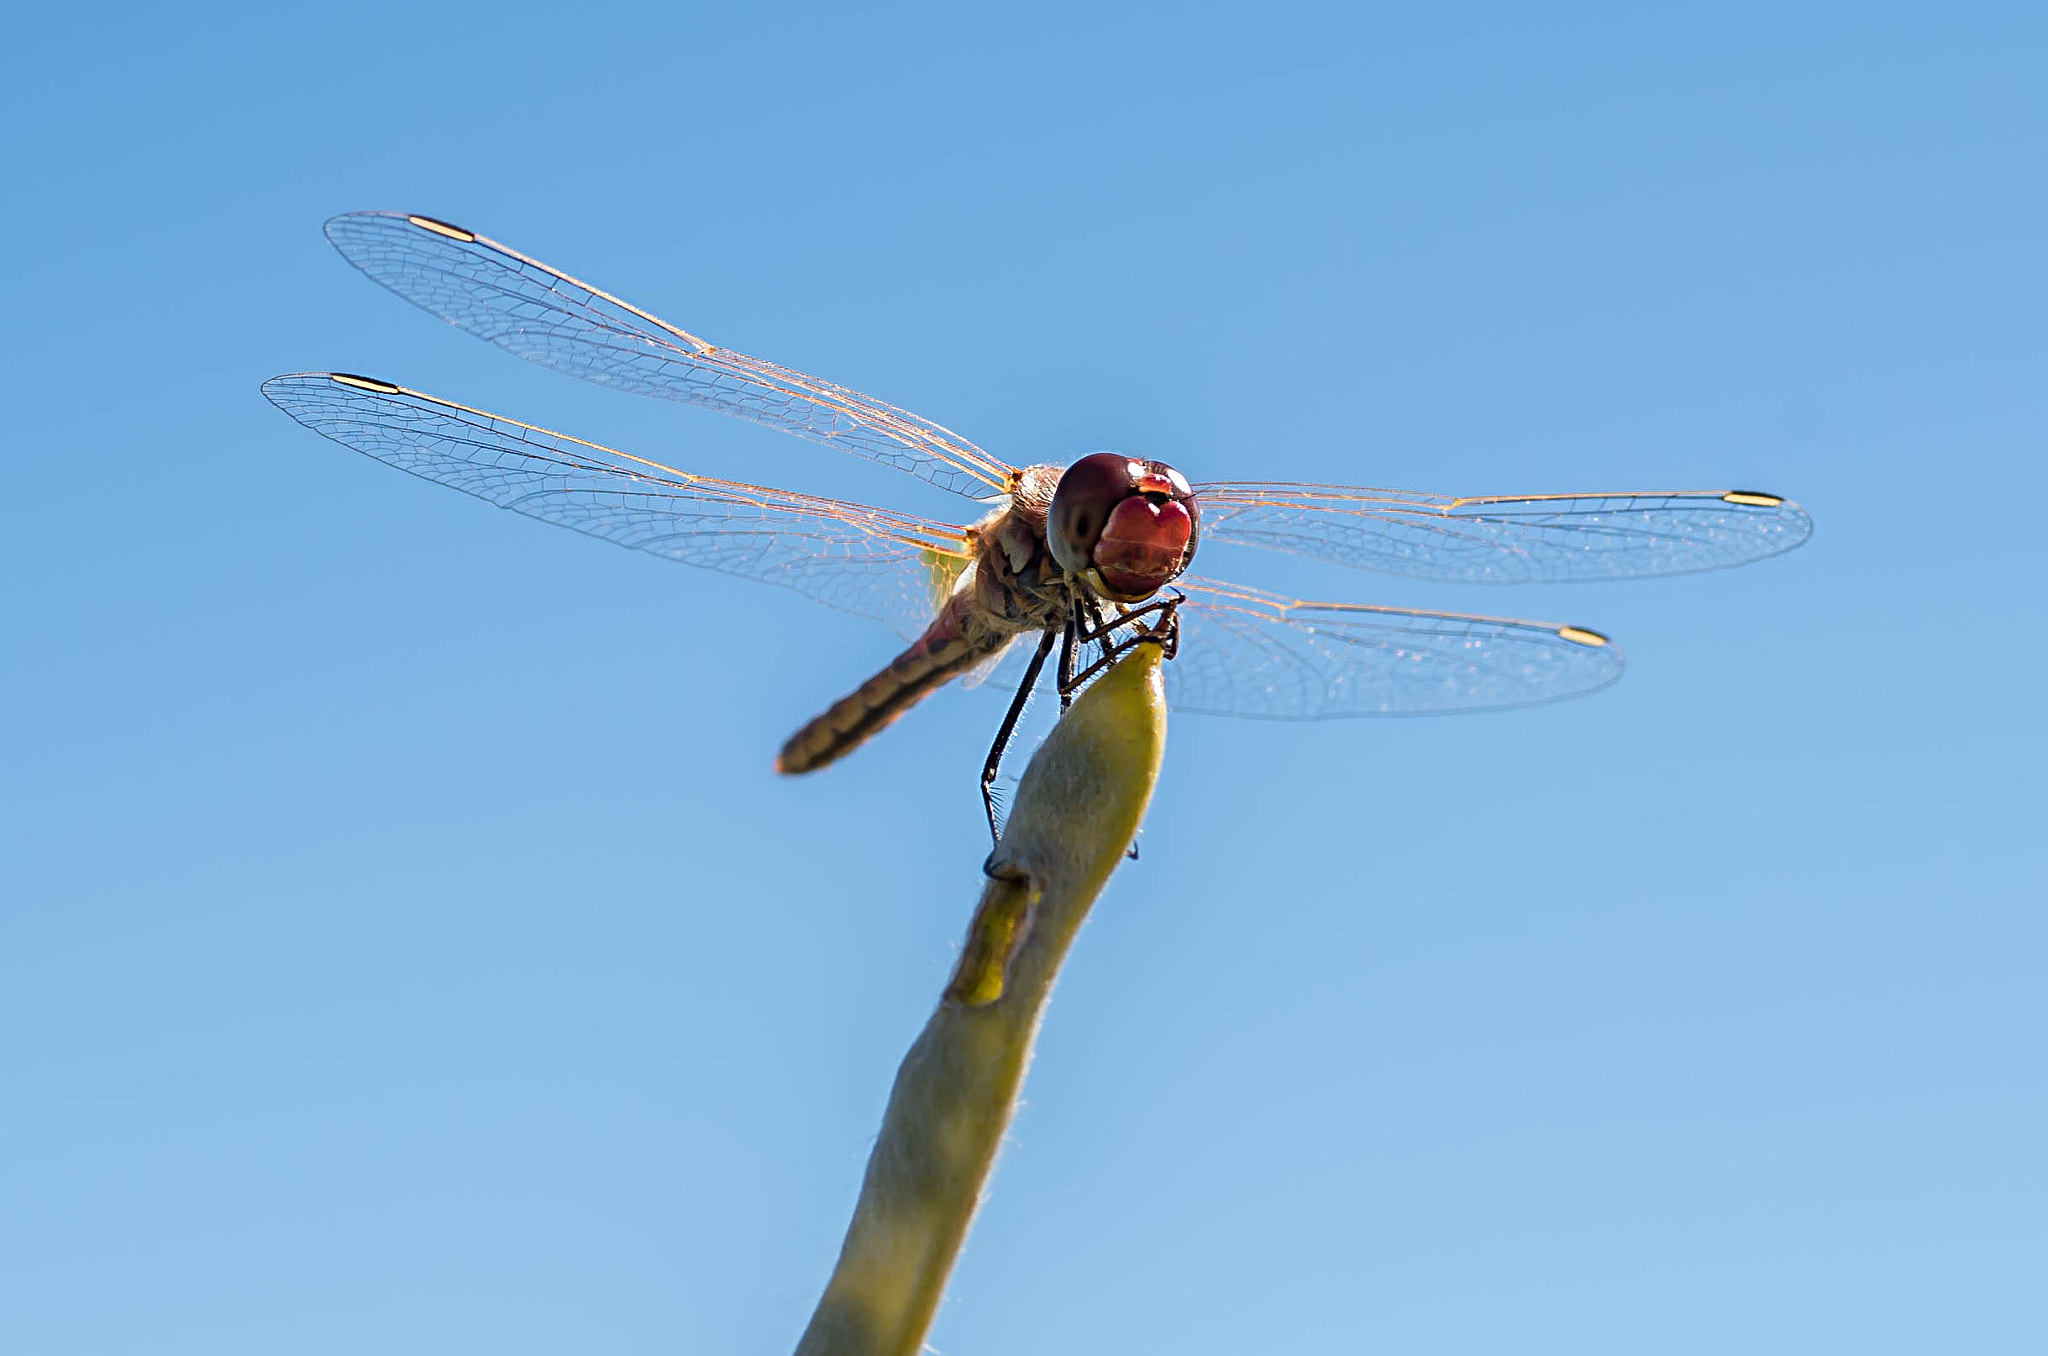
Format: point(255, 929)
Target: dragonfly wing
point(1004, 669)
point(547, 317)
point(862, 560)
point(1506, 540)
point(1245, 652)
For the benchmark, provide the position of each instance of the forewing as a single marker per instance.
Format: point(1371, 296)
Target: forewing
point(1505, 540)
point(862, 560)
point(1245, 652)
point(547, 317)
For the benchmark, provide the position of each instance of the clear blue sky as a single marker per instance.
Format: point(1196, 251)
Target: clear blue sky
point(406, 947)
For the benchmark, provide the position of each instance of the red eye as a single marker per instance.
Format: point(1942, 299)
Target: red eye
point(1089, 491)
point(1129, 526)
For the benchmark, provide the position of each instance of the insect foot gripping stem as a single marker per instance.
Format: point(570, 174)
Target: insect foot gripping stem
point(1079, 804)
point(1065, 799)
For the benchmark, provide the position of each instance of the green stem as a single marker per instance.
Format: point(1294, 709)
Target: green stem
point(1078, 809)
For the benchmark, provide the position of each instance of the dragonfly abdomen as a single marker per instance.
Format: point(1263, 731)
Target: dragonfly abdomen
point(944, 652)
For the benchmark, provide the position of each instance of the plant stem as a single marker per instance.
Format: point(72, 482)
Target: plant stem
point(1078, 809)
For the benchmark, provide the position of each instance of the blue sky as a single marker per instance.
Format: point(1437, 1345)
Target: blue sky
point(407, 947)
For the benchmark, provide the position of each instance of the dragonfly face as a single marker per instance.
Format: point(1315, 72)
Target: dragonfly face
point(1126, 526)
point(1072, 558)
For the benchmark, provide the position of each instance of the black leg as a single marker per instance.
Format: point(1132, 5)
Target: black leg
point(1096, 629)
point(1068, 657)
point(1165, 632)
point(1073, 638)
point(1167, 608)
point(1009, 727)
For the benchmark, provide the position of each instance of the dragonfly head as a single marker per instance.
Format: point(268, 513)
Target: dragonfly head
point(1126, 525)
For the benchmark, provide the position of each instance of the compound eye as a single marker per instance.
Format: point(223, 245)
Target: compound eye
point(1088, 493)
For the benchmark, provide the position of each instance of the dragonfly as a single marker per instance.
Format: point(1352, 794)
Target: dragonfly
point(1089, 558)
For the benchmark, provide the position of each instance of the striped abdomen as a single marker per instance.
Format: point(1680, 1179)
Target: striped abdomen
point(941, 654)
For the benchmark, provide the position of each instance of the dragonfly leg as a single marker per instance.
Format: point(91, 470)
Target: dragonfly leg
point(1009, 727)
point(1164, 632)
point(1068, 657)
point(1098, 629)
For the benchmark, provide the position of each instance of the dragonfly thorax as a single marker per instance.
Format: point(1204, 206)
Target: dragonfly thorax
point(1015, 583)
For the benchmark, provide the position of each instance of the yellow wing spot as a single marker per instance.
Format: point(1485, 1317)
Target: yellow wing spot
point(943, 569)
point(363, 383)
point(443, 228)
point(1579, 635)
point(1751, 498)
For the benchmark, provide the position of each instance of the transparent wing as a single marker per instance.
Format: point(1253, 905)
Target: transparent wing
point(1245, 652)
point(550, 318)
point(862, 560)
point(1506, 540)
